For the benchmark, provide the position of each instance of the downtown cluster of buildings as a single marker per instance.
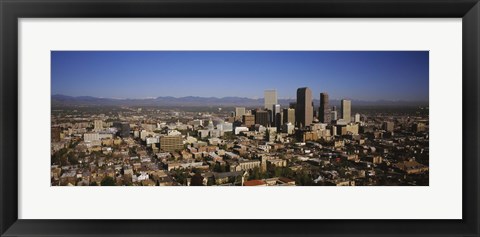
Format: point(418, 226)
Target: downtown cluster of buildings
point(300, 117)
point(276, 145)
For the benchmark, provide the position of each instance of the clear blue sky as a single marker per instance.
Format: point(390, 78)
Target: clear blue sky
point(360, 75)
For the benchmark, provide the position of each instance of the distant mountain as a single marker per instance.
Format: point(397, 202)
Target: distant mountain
point(194, 101)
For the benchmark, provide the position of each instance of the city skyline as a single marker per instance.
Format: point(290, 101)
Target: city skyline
point(359, 75)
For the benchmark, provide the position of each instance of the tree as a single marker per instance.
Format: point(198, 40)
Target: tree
point(108, 181)
point(58, 156)
point(255, 174)
point(93, 184)
point(197, 180)
point(219, 168)
point(72, 159)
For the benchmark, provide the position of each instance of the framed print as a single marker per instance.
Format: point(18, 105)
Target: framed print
point(239, 118)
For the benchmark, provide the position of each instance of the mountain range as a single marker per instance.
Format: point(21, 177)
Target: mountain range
point(194, 101)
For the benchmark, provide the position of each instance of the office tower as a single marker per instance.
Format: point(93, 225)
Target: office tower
point(97, 125)
point(289, 116)
point(270, 98)
point(419, 127)
point(248, 120)
point(334, 115)
point(270, 116)
point(123, 129)
point(278, 121)
point(288, 128)
point(324, 110)
point(292, 105)
point(262, 117)
point(388, 126)
point(304, 111)
point(347, 110)
point(239, 112)
point(357, 118)
point(276, 110)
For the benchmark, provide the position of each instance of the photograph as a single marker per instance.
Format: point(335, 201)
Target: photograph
point(239, 118)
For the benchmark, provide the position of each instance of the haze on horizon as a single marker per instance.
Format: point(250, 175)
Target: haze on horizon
point(358, 75)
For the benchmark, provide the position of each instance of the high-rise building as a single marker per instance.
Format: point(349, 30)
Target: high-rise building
point(276, 110)
point(239, 112)
point(97, 125)
point(278, 121)
point(270, 98)
point(289, 116)
point(357, 118)
point(304, 110)
point(248, 120)
point(388, 126)
point(419, 127)
point(262, 117)
point(347, 110)
point(123, 129)
point(324, 110)
point(334, 116)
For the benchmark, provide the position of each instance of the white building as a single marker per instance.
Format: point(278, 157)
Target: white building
point(334, 115)
point(89, 137)
point(173, 133)
point(97, 125)
point(225, 126)
point(152, 140)
point(270, 98)
point(105, 136)
point(357, 118)
point(346, 110)
point(143, 176)
point(144, 134)
point(288, 128)
point(238, 130)
point(239, 112)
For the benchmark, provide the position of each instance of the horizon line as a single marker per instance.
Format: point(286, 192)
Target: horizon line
point(259, 98)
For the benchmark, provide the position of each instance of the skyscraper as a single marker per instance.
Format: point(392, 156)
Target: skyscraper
point(262, 117)
point(276, 110)
point(388, 126)
point(123, 129)
point(304, 111)
point(357, 118)
point(239, 112)
point(270, 98)
point(98, 125)
point(347, 110)
point(334, 113)
point(248, 120)
point(324, 110)
point(278, 121)
point(289, 116)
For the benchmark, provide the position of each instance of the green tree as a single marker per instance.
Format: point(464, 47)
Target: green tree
point(255, 174)
point(219, 168)
point(108, 181)
point(197, 180)
point(72, 159)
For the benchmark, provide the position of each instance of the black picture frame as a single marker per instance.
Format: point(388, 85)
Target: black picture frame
point(11, 11)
